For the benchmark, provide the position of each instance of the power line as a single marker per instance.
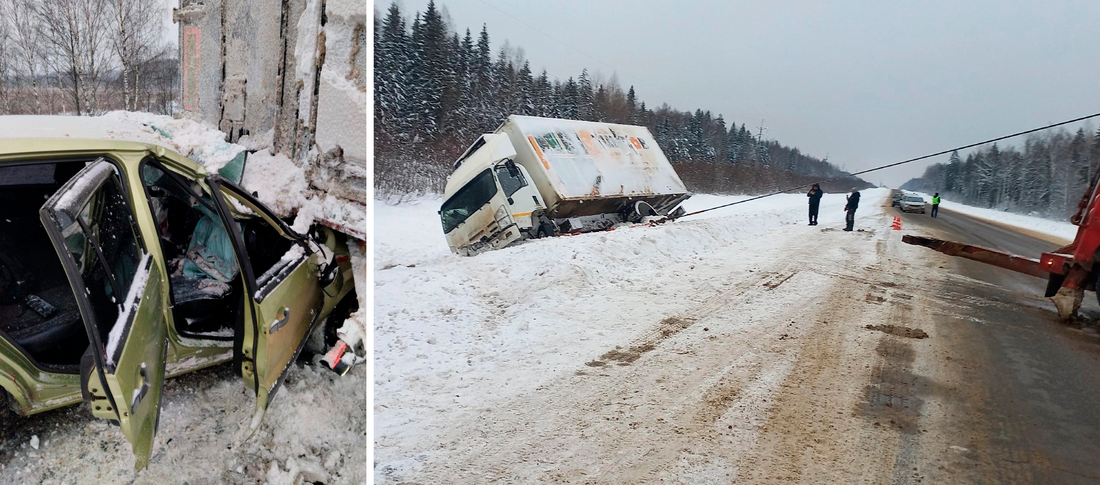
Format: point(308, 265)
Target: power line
point(903, 162)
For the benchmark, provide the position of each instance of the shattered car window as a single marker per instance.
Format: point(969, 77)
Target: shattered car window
point(103, 242)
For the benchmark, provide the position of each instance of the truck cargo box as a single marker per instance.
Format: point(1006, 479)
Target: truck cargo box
point(538, 177)
point(585, 168)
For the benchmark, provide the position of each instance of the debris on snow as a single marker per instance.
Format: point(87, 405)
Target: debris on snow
point(34, 441)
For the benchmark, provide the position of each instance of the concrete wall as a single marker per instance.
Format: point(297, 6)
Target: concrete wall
point(296, 68)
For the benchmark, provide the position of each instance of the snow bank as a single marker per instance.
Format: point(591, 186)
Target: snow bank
point(457, 334)
point(1054, 229)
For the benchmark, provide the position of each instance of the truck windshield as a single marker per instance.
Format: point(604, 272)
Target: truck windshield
point(467, 200)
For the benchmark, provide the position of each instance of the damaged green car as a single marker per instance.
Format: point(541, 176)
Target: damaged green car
point(125, 263)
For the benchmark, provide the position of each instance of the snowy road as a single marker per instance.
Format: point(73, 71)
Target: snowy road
point(744, 347)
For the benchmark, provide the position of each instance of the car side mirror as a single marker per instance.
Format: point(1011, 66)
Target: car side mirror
point(329, 274)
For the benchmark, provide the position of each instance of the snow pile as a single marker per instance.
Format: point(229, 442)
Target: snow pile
point(276, 181)
point(193, 139)
point(1059, 230)
point(458, 334)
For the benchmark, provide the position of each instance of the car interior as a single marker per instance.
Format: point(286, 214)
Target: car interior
point(37, 309)
point(201, 263)
point(204, 274)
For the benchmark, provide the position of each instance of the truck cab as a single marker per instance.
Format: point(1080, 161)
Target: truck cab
point(490, 201)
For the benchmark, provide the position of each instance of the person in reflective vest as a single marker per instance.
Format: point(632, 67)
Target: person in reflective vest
point(935, 204)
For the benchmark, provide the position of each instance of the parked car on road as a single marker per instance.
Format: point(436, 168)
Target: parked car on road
point(124, 263)
point(895, 200)
point(912, 203)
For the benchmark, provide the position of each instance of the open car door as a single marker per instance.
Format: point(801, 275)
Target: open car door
point(283, 295)
point(119, 291)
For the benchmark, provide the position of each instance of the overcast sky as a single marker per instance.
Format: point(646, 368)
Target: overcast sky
point(866, 82)
point(171, 30)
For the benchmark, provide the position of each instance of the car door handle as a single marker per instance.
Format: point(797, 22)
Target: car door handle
point(280, 319)
point(144, 388)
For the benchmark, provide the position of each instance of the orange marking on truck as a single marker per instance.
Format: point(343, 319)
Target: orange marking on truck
point(586, 140)
point(637, 144)
point(538, 151)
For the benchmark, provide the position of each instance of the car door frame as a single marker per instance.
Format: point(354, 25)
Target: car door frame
point(253, 295)
point(99, 351)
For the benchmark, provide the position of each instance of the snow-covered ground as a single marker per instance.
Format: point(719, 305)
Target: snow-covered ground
point(314, 430)
point(1058, 230)
point(456, 336)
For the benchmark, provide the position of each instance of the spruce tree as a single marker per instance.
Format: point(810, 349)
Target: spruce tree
point(585, 107)
point(734, 144)
point(632, 105)
point(525, 91)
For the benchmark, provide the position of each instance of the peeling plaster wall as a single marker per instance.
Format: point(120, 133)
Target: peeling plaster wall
point(294, 67)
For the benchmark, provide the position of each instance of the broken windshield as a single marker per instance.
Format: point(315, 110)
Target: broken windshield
point(467, 200)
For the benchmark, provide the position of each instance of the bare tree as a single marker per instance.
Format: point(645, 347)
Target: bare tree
point(60, 29)
point(26, 43)
point(5, 62)
point(135, 39)
point(74, 30)
point(93, 18)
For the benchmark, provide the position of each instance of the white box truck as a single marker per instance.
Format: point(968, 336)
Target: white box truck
point(538, 177)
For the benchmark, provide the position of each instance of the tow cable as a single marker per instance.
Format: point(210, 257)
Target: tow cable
point(895, 164)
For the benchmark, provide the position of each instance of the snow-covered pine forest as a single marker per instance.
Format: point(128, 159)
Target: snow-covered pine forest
point(437, 90)
point(1046, 176)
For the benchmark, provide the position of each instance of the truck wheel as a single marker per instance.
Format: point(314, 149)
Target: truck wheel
point(545, 230)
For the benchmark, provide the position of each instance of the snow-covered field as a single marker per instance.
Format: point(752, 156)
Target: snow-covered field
point(1059, 230)
point(457, 336)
